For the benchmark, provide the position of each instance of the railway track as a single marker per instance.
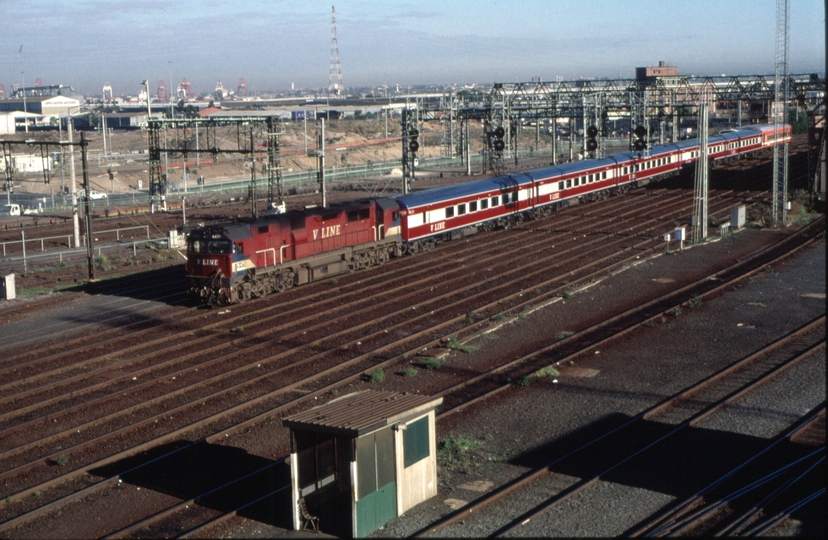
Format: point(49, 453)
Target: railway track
point(721, 389)
point(360, 363)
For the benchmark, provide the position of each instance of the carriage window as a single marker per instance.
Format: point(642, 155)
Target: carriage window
point(604, 175)
point(560, 185)
point(449, 212)
point(577, 181)
point(238, 248)
point(263, 229)
point(461, 209)
point(591, 178)
point(569, 183)
point(473, 206)
point(495, 201)
point(484, 204)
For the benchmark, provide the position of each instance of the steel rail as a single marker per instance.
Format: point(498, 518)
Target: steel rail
point(496, 494)
point(768, 524)
point(583, 484)
point(267, 414)
point(179, 359)
point(678, 514)
point(617, 318)
point(27, 448)
point(748, 517)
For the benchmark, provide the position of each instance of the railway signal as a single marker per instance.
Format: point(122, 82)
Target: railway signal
point(640, 138)
point(592, 143)
point(413, 143)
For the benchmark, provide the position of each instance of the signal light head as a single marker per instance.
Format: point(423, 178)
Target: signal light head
point(499, 132)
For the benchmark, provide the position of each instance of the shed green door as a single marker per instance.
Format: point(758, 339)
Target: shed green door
point(376, 484)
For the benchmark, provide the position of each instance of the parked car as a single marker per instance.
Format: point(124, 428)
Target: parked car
point(93, 195)
point(10, 210)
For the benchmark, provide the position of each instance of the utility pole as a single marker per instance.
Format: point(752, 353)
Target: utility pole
point(89, 248)
point(75, 224)
point(25, 112)
point(320, 154)
point(253, 195)
point(700, 187)
point(780, 109)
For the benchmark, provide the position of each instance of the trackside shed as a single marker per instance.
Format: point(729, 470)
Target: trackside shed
point(361, 460)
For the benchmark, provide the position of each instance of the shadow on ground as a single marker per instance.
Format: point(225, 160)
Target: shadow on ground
point(220, 477)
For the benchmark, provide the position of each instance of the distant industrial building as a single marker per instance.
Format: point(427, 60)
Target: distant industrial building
point(44, 106)
point(649, 75)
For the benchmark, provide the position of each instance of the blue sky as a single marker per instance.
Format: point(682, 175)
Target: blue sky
point(83, 43)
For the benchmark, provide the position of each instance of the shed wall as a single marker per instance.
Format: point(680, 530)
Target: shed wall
point(417, 482)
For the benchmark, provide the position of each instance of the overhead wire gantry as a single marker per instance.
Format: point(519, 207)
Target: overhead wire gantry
point(256, 137)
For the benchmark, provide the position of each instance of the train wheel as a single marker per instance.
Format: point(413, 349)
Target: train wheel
point(413, 248)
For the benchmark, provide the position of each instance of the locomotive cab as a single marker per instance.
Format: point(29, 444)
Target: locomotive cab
point(214, 254)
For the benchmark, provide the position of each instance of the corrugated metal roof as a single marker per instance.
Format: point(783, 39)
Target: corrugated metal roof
point(362, 412)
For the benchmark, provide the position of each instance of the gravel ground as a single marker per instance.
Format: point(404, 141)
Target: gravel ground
point(601, 389)
point(613, 384)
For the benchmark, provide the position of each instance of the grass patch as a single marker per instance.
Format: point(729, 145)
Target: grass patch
point(376, 376)
point(62, 460)
point(566, 295)
point(455, 345)
point(663, 320)
point(459, 452)
point(410, 372)
point(676, 311)
point(548, 371)
point(39, 291)
point(521, 381)
point(238, 329)
point(695, 302)
point(499, 317)
point(334, 281)
point(564, 334)
point(430, 363)
point(757, 304)
point(470, 317)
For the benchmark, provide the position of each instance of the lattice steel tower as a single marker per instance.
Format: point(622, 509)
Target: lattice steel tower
point(335, 86)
